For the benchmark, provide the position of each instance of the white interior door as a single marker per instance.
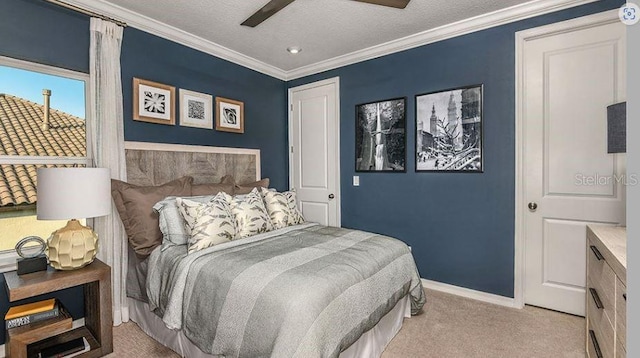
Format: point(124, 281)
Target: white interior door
point(569, 179)
point(314, 134)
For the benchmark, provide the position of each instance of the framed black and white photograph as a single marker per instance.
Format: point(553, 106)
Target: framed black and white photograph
point(195, 109)
point(381, 136)
point(153, 102)
point(229, 115)
point(449, 130)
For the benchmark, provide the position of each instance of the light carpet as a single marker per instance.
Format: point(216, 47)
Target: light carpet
point(449, 326)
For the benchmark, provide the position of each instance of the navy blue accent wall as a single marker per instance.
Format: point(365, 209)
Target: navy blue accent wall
point(39, 32)
point(150, 57)
point(460, 226)
point(36, 31)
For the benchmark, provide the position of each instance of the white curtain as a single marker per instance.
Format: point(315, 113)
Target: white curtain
point(107, 144)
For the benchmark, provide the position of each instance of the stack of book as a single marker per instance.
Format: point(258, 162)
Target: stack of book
point(31, 313)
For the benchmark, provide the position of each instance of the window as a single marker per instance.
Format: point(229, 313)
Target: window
point(42, 123)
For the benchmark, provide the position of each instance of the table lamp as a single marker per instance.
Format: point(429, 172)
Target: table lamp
point(71, 194)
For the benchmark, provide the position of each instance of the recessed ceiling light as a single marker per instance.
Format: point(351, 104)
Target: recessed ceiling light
point(294, 50)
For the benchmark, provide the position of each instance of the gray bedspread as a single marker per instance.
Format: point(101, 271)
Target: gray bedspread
point(303, 291)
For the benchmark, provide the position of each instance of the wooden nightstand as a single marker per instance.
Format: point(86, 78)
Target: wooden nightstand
point(96, 280)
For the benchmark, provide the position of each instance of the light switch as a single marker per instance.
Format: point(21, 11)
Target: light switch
point(356, 180)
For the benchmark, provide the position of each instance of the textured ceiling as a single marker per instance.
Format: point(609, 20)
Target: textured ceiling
point(324, 29)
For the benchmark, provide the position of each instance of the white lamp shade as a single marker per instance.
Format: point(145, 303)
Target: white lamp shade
point(73, 193)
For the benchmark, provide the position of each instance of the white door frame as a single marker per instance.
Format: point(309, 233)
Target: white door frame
point(336, 82)
point(580, 23)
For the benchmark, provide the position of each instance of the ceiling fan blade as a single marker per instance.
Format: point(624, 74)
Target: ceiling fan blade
point(266, 12)
point(400, 4)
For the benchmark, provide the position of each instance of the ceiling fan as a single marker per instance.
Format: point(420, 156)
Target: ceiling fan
point(276, 5)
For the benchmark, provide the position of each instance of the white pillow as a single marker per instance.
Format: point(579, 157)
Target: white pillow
point(282, 208)
point(296, 215)
point(210, 223)
point(172, 224)
point(251, 214)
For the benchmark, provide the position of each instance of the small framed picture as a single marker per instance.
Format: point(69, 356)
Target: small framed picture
point(449, 130)
point(153, 102)
point(229, 115)
point(381, 143)
point(195, 109)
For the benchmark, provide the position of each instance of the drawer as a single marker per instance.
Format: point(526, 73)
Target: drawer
point(621, 312)
point(592, 342)
point(595, 258)
point(601, 324)
point(602, 280)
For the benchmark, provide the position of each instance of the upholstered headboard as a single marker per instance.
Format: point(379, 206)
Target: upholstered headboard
point(157, 163)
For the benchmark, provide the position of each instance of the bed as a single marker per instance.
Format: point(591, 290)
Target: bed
point(300, 291)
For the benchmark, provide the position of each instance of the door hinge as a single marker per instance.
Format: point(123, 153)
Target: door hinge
point(291, 106)
point(291, 149)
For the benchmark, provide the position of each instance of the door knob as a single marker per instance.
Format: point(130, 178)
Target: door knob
point(331, 196)
point(532, 206)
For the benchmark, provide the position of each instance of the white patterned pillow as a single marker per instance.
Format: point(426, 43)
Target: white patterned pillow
point(250, 213)
point(277, 207)
point(172, 223)
point(210, 223)
point(296, 215)
point(282, 208)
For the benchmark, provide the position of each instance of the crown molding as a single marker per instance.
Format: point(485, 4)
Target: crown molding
point(174, 34)
point(463, 27)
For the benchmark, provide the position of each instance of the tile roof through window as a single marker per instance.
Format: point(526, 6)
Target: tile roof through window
point(22, 134)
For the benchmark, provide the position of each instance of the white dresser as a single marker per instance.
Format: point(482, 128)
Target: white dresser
point(606, 291)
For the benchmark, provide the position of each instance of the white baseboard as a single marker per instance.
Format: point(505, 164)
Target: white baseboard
point(75, 324)
point(469, 293)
